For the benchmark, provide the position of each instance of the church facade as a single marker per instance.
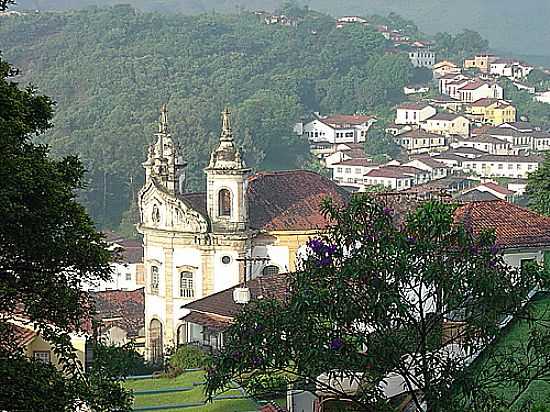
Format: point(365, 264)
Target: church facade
point(195, 244)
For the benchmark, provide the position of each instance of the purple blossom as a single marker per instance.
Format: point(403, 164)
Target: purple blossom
point(257, 361)
point(336, 344)
point(324, 261)
point(495, 249)
point(411, 240)
point(259, 328)
point(322, 251)
point(236, 355)
point(474, 249)
point(388, 211)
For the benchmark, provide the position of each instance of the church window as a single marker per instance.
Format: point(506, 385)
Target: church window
point(226, 260)
point(186, 285)
point(155, 341)
point(224, 202)
point(154, 279)
point(270, 270)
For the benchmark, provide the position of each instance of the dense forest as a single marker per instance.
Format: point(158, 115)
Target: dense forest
point(519, 28)
point(109, 70)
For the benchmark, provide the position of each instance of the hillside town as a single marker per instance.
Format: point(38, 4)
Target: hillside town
point(358, 282)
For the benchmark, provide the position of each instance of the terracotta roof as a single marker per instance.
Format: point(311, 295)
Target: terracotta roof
point(196, 201)
point(290, 200)
point(445, 116)
point(443, 64)
point(514, 226)
point(22, 336)
point(466, 151)
point(483, 138)
point(210, 320)
point(484, 102)
point(473, 85)
point(497, 188)
point(222, 303)
point(413, 106)
point(445, 98)
point(390, 172)
point(125, 309)
point(431, 162)
point(476, 195)
point(420, 134)
point(132, 251)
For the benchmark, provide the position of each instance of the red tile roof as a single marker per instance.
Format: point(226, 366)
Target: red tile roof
point(290, 200)
point(389, 172)
point(283, 201)
point(499, 189)
point(364, 162)
point(514, 226)
point(413, 106)
point(473, 85)
point(125, 309)
point(22, 336)
point(222, 303)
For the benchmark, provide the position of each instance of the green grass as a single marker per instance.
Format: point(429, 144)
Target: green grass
point(514, 334)
point(194, 395)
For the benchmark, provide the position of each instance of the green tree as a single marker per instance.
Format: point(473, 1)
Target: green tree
point(538, 187)
point(48, 248)
point(380, 143)
point(379, 296)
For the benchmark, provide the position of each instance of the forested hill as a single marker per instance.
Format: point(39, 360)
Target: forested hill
point(111, 69)
point(519, 27)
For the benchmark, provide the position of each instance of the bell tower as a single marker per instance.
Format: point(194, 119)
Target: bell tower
point(163, 163)
point(226, 181)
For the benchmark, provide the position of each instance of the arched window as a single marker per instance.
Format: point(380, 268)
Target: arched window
point(181, 337)
point(186, 285)
point(270, 270)
point(154, 279)
point(224, 202)
point(155, 341)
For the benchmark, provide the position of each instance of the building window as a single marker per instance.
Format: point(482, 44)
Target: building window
point(42, 356)
point(155, 341)
point(186, 285)
point(270, 270)
point(128, 275)
point(224, 203)
point(154, 279)
point(226, 260)
point(181, 335)
point(338, 170)
point(348, 170)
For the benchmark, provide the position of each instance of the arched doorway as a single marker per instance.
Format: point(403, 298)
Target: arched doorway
point(181, 336)
point(155, 341)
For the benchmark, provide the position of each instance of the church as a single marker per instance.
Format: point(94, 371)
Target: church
point(198, 243)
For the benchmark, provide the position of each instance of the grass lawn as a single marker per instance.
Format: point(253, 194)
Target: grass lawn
point(191, 396)
point(515, 333)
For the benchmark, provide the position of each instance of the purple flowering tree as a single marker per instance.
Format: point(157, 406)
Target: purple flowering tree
point(383, 304)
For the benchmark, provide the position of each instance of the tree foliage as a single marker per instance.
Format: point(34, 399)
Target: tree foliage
point(538, 187)
point(48, 248)
point(109, 71)
point(378, 297)
point(460, 46)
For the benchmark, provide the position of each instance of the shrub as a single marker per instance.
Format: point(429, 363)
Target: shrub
point(266, 384)
point(188, 357)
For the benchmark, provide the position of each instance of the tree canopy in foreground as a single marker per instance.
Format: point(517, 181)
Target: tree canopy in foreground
point(48, 248)
point(378, 300)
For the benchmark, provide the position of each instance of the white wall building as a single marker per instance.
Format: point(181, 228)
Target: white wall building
point(338, 129)
point(503, 166)
point(422, 57)
point(447, 124)
point(413, 113)
point(478, 89)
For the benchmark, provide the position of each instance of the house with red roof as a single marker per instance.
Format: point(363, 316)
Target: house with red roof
point(413, 113)
point(499, 192)
point(243, 226)
point(335, 129)
point(479, 89)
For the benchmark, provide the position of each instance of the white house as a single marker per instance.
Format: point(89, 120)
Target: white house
point(513, 69)
point(444, 68)
point(493, 188)
point(345, 152)
point(419, 141)
point(479, 89)
point(413, 113)
point(338, 129)
point(350, 172)
point(422, 57)
point(390, 177)
point(514, 166)
point(451, 83)
point(485, 143)
point(543, 97)
point(447, 124)
point(416, 89)
point(435, 168)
